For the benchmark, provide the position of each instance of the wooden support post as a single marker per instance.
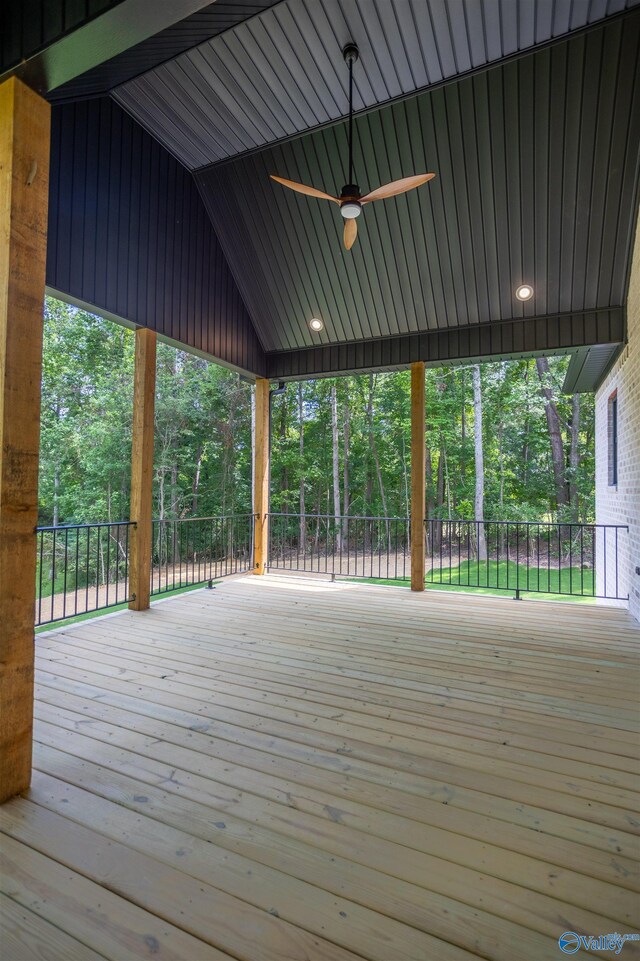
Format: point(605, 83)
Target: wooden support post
point(261, 477)
point(144, 388)
point(24, 196)
point(417, 476)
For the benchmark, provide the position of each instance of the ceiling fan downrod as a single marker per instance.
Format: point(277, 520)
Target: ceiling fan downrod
point(350, 53)
point(351, 201)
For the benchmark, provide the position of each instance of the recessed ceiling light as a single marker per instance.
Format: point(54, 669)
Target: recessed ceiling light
point(524, 292)
point(316, 325)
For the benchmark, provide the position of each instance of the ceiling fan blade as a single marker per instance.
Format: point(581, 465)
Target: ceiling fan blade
point(396, 187)
point(350, 232)
point(303, 189)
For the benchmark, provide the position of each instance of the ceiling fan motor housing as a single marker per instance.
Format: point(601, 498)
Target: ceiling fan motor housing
point(350, 206)
point(350, 52)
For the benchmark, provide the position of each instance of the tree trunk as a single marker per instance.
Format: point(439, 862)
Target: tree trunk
point(405, 478)
point(525, 446)
point(230, 454)
point(500, 530)
point(438, 526)
point(196, 483)
point(463, 429)
point(303, 522)
point(284, 476)
point(174, 490)
point(161, 493)
point(345, 469)
point(479, 463)
point(431, 503)
point(253, 446)
point(555, 434)
point(574, 458)
point(376, 459)
point(369, 475)
point(336, 465)
point(56, 487)
point(447, 485)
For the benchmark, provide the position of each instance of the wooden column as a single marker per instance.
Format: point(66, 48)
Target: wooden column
point(144, 388)
point(417, 476)
point(24, 196)
point(261, 477)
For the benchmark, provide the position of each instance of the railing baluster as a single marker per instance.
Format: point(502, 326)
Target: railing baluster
point(108, 569)
point(126, 560)
point(53, 576)
point(99, 545)
point(75, 605)
point(39, 590)
point(200, 548)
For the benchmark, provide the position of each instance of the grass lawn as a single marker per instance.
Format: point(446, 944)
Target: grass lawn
point(88, 615)
point(492, 578)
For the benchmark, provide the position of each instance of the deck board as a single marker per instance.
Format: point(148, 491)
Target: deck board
point(289, 768)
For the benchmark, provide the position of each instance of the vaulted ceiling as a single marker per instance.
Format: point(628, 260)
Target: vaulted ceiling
point(525, 192)
point(281, 73)
point(528, 111)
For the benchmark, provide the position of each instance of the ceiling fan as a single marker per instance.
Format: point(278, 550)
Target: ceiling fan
point(351, 201)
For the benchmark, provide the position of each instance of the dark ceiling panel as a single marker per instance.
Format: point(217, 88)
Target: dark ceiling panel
point(190, 32)
point(281, 73)
point(535, 336)
point(537, 164)
point(129, 236)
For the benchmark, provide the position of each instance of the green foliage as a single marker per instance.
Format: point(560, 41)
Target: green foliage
point(474, 577)
point(203, 436)
point(519, 481)
point(511, 576)
point(203, 426)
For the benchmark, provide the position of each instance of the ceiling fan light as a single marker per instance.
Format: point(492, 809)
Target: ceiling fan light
point(524, 292)
point(316, 325)
point(351, 209)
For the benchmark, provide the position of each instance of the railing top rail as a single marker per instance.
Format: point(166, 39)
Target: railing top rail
point(473, 520)
point(80, 527)
point(451, 520)
point(342, 517)
point(212, 517)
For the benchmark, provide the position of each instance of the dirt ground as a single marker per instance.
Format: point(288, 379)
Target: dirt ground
point(59, 606)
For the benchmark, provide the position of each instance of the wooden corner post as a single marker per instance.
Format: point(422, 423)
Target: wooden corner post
point(261, 477)
point(144, 388)
point(24, 197)
point(418, 451)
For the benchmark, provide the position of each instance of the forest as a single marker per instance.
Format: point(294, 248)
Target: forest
point(503, 441)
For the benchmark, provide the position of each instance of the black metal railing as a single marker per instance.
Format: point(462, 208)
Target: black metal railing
point(198, 550)
point(563, 559)
point(81, 568)
point(85, 567)
point(371, 547)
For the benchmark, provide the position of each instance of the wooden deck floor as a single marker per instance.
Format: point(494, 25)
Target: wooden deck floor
point(289, 769)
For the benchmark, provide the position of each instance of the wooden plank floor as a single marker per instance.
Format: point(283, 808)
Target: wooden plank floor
point(291, 769)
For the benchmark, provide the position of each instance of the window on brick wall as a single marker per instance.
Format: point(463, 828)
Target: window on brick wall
point(612, 437)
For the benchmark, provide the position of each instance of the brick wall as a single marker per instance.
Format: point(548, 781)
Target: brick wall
point(620, 503)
